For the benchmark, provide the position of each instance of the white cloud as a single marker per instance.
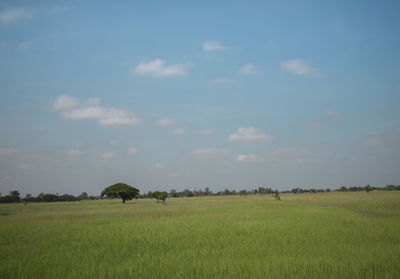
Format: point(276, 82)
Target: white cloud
point(15, 14)
point(297, 67)
point(316, 124)
point(248, 69)
point(158, 166)
point(25, 44)
point(373, 142)
point(65, 102)
point(93, 101)
point(207, 132)
point(106, 116)
point(74, 152)
point(248, 158)
point(113, 142)
point(8, 151)
point(24, 166)
point(179, 132)
point(107, 155)
point(335, 114)
point(158, 68)
point(70, 108)
point(331, 112)
point(58, 10)
point(208, 153)
point(249, 134)
point(212, 46)
point(287, 150)
point(222, 81)
point(4, 179)
point(132, 151)
point(165, 122)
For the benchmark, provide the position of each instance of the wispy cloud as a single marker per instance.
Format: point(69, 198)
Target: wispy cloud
point(165, 122)
point(179, 132)
point(222, 81)
point(93, 101)
point(132, 150)
point(287, 150)
point(113, 142)
point(74, 152)
point(65, 102)
point(297, 67)
point(248, 69)
point(335, 114)
point(25, 44)
point(248, 158)
point(249, 134)
point(15, 14)
point(24, 166)
point(213, 46)
point(58, 10)
point(106, 116)
point(206, 132)
point(107, 155)
point(373, 142)
point(316, 124)
point(72, 108)
point(158, 166)
point(209, 153)
point(158, 68)
point(8, 151)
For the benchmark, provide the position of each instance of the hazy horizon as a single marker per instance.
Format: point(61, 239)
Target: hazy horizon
point(191, 95)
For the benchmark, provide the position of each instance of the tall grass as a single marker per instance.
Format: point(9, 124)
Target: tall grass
point(328, 235)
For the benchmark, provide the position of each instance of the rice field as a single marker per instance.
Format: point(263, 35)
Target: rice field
point(325, 235)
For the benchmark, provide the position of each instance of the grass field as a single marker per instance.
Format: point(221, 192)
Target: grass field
point(327, 235)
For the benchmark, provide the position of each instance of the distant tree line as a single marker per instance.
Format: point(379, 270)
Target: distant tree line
point(369, 188)
point(14, 196)
point(264, 191)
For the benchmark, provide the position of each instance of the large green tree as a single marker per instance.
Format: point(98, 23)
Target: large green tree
point(120, 190)
point(163, 196)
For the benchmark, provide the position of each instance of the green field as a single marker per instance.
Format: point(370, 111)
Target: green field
point(327, 235)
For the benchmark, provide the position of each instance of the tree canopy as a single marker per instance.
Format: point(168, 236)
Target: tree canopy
point(120, 190)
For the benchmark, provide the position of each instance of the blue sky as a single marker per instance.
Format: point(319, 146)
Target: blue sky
point(180, 94)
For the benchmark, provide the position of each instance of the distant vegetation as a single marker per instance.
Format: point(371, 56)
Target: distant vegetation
point(15, 196)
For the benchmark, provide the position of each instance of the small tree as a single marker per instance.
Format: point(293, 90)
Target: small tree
point(162, 196)
point(15, 196)
point(243, 193)
point(120, 190)
point(368, 188)
point(277, 196)
point(156, 195)
point(173, 193)
point(83, 196)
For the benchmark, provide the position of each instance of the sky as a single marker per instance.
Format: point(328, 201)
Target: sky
point(191, 94)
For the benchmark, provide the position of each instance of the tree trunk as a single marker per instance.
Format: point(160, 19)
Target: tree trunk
point(123, 200)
